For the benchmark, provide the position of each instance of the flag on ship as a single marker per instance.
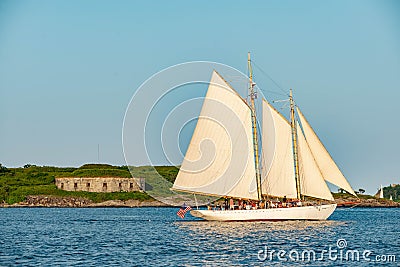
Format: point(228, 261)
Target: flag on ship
point(182, 211)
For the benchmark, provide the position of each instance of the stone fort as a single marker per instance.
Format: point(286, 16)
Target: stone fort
point(100, 184)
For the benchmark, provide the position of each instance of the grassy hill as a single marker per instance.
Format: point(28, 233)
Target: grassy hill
point(17, 183)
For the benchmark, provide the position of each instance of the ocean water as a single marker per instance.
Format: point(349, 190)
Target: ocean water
point(157, 237)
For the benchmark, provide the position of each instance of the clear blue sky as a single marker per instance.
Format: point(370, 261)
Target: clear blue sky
point(69, 68)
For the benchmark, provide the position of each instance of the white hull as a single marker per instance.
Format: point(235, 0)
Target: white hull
point(321, 212)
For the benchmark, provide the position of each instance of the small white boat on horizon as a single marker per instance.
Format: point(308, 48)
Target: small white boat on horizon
point(227, 158)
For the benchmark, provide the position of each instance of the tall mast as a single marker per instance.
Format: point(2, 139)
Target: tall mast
point(294, 142)
point(254, 124)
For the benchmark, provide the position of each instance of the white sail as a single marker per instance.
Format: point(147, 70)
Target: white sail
point(312, 182)
point(277, 151)
point(220, 157)
point(328, 167)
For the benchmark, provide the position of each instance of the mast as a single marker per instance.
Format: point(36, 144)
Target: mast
point(254, 124)
point(294, 141)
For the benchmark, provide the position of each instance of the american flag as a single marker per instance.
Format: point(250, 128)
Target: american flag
point(182, 211)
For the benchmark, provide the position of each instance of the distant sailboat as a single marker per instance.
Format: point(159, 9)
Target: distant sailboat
point(294, 162)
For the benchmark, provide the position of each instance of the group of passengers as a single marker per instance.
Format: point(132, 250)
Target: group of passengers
point(233, 204)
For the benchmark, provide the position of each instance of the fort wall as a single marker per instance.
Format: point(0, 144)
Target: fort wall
point(100, 184)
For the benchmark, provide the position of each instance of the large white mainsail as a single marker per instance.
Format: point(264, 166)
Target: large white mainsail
point(220, 158)
point(328, 167)
point(312, 182)
point(277, 154)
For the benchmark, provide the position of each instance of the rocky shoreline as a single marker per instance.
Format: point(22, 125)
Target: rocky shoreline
point(367, 203)
point(76, 202)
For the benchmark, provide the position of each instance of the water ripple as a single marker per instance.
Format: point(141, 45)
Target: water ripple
point(157, 237)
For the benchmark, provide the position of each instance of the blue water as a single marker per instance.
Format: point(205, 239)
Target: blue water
point(157, 237)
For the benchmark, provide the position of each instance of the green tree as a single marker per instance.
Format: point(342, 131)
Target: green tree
point(3, 169)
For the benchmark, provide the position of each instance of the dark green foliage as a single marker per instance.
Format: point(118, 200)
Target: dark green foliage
point(126, 168)
point(56, 169)
point(98, 173)
point(3, 169)
point(98, 166)
point(17, 183)
point(168, 172)
point(347, 195)
point(4, 190)
point(21, 178)
point(21, 192)
point(393, 191)
point(29, 165)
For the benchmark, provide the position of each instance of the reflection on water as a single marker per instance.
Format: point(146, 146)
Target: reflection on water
point(236, 228)
point(245, 239)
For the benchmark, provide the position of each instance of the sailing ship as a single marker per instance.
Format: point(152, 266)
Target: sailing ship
point(228, 158)
point(381, 192)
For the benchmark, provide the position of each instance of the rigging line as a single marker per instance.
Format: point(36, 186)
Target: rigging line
point(265, 92)
point(272, 92)
point(269, 77)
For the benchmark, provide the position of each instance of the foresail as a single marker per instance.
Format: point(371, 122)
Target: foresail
point(220, 158)
point(278, 165)
point(328, 167)
point(312, 182)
